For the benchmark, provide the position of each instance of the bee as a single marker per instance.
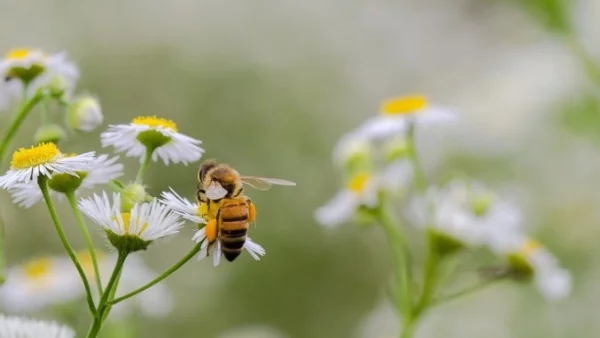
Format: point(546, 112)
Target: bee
point(223, 202)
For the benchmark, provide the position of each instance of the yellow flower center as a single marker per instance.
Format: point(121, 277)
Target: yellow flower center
point(359, 182)
point(38, 268)
point(34, 156)
point(127, 223)
point(403, 105)
point(529, 247)
point(154, 122)
point(17, 54)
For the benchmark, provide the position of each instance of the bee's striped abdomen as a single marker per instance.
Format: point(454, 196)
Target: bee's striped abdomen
point(233, 227)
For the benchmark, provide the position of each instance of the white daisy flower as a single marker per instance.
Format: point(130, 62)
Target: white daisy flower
point(182, 206)
point(158, 133)
point(253, 248)
point(40, 283)
point(44, 159)
point(18, 327)
point(465, 213)
point(145, 222)
point(39, 69)
point(531, 259)
point(351, 148)
point(361, 191)
point(101, 170)
point(397, 113)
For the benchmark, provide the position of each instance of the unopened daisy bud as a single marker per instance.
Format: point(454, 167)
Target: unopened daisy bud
point(132, 194)
point(49, 133)
point(84, 114)
point(65, 183)
point(57, 86)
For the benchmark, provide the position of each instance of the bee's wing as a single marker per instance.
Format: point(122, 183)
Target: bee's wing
point(264, 183)
point(215, 191)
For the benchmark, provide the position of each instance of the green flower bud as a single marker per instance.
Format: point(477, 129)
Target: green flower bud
point(84, 114)
point(57, 86)
point(64, 183)
point(49, 133)
point(443, 244)
point(132, 194)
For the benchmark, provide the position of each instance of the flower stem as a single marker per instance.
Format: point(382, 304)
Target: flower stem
point(103, 307)
point(139, 178)
point(471, 289)
point(429, 282)
point(420, 181)
point(22, 113)
point(400, 259)
point(43, 183)
point(164, 275)
point(88, 239)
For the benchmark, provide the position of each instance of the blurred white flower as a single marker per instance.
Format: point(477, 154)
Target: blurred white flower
point(531, 259)
point(84, 114)
point(398, 113)
point(133, 230)
point(40, 283)
point(19, 327)
point(101, 170)
point(351, 147)
point(381, 322)
point(253, 248)
point(361, 191)
point(44, 159)
point(156, 133)
point(465, 212)
point(38, 69)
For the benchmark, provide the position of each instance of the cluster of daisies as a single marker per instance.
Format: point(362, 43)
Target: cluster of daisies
point(380, 168)
point(131, 217)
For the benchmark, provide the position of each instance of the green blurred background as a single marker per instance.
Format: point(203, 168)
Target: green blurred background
point(269, 86)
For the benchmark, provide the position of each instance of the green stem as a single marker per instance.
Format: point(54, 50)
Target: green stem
point(17, 122)
point(420, 180)
point(139, 178)
point(103, 306)
point(429, 282)
point(408, 327)
point(43, 183)
point(400, 259)
point(164, 275)
point(88, 239)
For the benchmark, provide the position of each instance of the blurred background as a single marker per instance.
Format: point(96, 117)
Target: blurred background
point(269, 86)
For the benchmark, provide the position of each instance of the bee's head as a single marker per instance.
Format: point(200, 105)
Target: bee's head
point(205, 167)
point(225, 176)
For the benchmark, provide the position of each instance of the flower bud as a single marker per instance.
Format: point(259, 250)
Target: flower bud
point(49, 133)
point(57, 86)
point(84, 114)
point(132, 194)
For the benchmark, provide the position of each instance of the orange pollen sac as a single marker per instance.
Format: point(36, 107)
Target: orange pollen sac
point(211, 230)
point(251, 212)
point(403, 105)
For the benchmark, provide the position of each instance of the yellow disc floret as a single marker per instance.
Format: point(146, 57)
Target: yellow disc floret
point(529, 247)
point(404, 105)
point(17, 54)
point(359, 182)
point(127, 223)
point(38, 268)
point(155, 122)
point(34, 156)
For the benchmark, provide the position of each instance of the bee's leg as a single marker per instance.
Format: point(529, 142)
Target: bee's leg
point(211, 233)
point(251, 211)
